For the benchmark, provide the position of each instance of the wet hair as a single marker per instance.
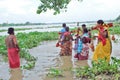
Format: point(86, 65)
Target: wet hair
point(100, 22)
point(64, 24)
point(84, 40)
point(85, 30)
point(67, 28)
point(10, 30)
point(83, 25)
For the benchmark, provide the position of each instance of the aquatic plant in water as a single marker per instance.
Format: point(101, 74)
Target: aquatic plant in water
point(55, 73)
point(102, 67)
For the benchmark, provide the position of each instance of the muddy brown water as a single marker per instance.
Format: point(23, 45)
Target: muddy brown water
point(48, 56)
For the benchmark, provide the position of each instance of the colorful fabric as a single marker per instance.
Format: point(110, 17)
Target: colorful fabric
point(85, 35)
point(13, 57)
point(104, 47)
point(66, 48)
point(63, 30)
point(78, 32)
point(103, 51)
point(84, 53)
point(80, 46)
point(67, 44)
point(67, 36)
point(61, 33)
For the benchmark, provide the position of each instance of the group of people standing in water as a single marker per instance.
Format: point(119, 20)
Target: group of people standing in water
point(83, 41)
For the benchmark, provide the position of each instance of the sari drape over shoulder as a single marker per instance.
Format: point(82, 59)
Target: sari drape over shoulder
point(104, 48)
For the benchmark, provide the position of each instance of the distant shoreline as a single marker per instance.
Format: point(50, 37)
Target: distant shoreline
point(29, 23)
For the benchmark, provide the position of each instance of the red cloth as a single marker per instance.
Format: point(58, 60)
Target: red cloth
point(102, 39)
point(57, 44)
point(13, 56)
point(110, 24)
point(80, 57)
point(67, 33)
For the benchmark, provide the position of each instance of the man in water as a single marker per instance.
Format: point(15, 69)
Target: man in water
point(13, 55)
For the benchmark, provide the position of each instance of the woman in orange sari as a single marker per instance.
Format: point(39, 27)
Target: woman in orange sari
point(103, 48)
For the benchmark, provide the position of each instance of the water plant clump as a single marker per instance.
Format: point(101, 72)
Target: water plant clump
point(55, 73)
point(102, 67)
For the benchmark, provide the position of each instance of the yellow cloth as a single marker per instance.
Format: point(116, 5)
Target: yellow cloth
point(102, 52)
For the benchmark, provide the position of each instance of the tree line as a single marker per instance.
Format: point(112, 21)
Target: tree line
point(20, 24)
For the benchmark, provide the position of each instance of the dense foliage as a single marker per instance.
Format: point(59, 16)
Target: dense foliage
point(56, 5)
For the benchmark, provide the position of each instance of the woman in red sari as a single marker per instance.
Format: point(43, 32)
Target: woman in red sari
point(13, 49)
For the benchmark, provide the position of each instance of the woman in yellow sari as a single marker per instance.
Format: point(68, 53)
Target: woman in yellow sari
point(103, 48)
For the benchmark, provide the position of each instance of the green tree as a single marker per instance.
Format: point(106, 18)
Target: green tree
point(56, 5)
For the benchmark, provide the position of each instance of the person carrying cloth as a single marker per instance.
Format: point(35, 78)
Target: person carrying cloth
point(104, 47)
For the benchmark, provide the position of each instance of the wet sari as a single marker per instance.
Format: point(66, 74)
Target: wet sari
point(103, 52)
point(103, 48)
point(67, 44)
point(13, 57)
point(83, 55)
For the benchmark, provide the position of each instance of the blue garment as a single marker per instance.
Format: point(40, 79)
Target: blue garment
point(62, 33)
point(63, 30)
point(80, 46)
point(85, 35)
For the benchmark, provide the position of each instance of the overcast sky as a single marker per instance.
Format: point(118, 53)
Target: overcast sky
point(21, 11)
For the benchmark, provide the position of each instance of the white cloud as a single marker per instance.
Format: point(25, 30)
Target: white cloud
point(16, 6)
point(25, 10)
